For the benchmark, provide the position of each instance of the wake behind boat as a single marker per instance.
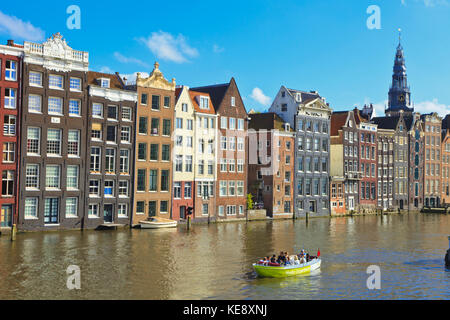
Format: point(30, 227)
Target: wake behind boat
point(287, 270)
point(158, 223)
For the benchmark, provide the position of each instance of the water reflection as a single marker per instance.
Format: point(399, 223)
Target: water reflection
point(214, 262)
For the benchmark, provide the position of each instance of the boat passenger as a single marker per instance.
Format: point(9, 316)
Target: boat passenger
point(273, 259)
point(307, 257)
point(287, 261)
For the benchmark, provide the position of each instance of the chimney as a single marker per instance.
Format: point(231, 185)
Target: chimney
point(10, 43)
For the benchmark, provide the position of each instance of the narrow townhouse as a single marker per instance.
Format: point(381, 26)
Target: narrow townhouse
point(153, 165)
point(445, 163)
point(11, 56)
point(271, 178)
point(367, 163)
point(184, 154)
point(231, 148)
point(53, 133)
point(432, 124)
point(205, 165)
point(309, 114)
point(345, 149)
point(416, 163)
point(385, 155)
point(10, 104)
point(110, 151)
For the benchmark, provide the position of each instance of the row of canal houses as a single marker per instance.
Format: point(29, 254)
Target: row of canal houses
point(83, 149)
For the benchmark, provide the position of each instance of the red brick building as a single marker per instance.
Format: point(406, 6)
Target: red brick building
point(10, 104)
point(271, 174)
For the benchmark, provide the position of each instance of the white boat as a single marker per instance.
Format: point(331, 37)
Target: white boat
point(158, 223)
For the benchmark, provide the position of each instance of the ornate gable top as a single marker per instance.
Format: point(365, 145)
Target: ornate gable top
point(155, 80)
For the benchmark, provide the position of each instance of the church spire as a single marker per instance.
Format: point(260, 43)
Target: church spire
point(399, 92)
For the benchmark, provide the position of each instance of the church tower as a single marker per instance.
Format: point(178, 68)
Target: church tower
point(399, 92)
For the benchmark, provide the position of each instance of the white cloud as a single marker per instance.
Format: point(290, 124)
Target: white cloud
point(167, 47)
point(429, 3)
point(15, 27)
point(123, 59)
point(432, 106)
point(106, 69)
point(218, 49)
point(260, 97)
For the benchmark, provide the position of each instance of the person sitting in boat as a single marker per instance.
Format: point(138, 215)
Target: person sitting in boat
point(273, 259)
point(287, 259)
point(281, 258)
point(295, 259)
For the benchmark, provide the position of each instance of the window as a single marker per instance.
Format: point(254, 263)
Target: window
point(177, 190)
point(93, 211)
point(73, 145)
point(201, 167)
point(31, 208)
point(284, 107)
point(166, 127)
point(122, 210)
point(110, 161)
point(164, 180)
point(231, 188)
point(104, 83)
point(52, 174)
point(221, 211)
point(109, 188)
point(240, 124)
point(141, 173)
point(210, 167)
point(188, 163)
point(11, 70)
point(140, 207)
point(240, 144)
point(97, 110)
point(240, 188)
point(166, 102)
point(71, 207)
point(55, 106)
point(223, 165)
point(55, 82)
point(96, 131)
point(75, 84)
point(187, 190)
point(240, 165)
point(125, 134)
point(123, 188)
point(164, 205)
point(9, 125)
point(179, 141)
point(94, 188)
point(144, 98)
point(231, 162)
point(232, 123)
point(232, 143)
point(72, 177)
point(124, 162)
point(111, 132)
point(74, 108)
point(10, 98)
point(153, 180)
point(184, 107)
point(179, 163)
point(155, 102)
point(34, 103)
point(95, 160)
point(35, 78)
point(51, 210)
point(190, 124)
point(231, 210)
point(223, 142)
point(155, 126)
point(112, 113)
point(54, 142)
point(154, 152)
point(165, 156)
point(223, 122)
point(143, 125)
point(223, 189)
point(8, 183)
point(126, 114)
point(33, 141)
point(9, 151)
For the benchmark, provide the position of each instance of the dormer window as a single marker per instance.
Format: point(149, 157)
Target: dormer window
point(299, 97)
point(204, 103)
point(104, 83)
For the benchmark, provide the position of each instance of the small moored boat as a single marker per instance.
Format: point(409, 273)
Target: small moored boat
point(286, 271)
point(158, 223)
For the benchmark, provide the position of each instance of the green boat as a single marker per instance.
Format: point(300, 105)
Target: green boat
point(286, 271)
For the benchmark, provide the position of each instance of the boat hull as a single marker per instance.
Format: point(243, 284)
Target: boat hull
point(289, 271)
point(156, 225)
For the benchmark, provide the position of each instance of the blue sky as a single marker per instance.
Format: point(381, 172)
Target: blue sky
point(322, 45)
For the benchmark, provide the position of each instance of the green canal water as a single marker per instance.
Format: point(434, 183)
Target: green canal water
point(214, 262)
